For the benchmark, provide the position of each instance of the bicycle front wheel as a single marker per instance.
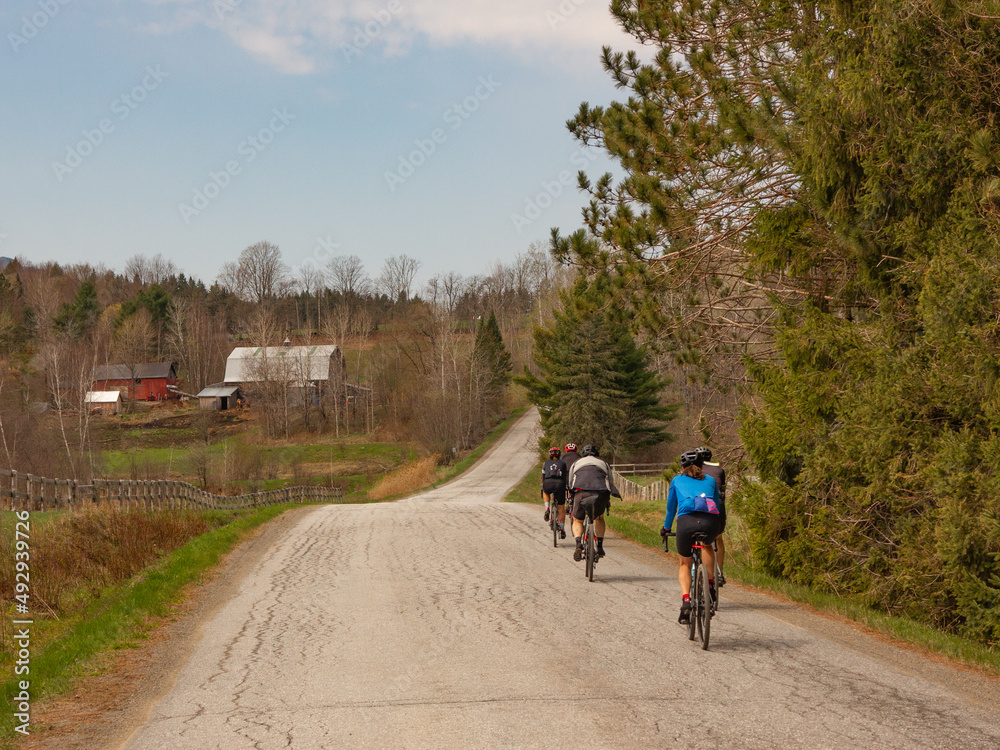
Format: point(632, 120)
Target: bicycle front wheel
point(704, 607)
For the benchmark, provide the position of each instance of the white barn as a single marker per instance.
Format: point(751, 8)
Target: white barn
point(299, 366)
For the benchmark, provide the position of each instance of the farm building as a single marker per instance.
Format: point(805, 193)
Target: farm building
point(299, 366)
point(219, 397)
point(145, 382)
point(104, 402)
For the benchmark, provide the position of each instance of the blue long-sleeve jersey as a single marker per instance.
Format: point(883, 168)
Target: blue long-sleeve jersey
point(690, 495)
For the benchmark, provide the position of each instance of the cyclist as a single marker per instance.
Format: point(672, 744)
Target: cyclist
point(554, 488)
point(719, 475)
point(570, 457)
point(592, 487)
point(694, 499)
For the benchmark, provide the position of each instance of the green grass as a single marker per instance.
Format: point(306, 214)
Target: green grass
point(124, 614)
point(528, 490)
point(641, 522)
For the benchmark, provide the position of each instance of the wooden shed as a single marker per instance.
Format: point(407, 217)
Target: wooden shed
point(219, 397)
point(104, 402)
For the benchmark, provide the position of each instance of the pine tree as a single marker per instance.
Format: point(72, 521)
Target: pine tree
point(491, 367)
point(595, 385)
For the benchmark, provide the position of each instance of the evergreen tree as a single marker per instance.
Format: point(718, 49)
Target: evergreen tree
point(78, 316)
point(491, 367)
point(595, 385)
point(813, 187)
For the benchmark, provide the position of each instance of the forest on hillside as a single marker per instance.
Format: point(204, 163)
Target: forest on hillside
point(437, 358)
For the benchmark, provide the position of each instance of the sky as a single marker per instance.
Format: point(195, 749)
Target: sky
point(194, 128)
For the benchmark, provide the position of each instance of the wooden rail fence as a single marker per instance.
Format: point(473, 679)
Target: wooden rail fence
point(636, 493)
point(29, 492)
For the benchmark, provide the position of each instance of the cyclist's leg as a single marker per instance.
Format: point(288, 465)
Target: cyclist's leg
point(561, 501)
point(684, 575)
point(547, 497)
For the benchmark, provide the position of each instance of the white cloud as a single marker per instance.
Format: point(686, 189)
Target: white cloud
point(297, 36)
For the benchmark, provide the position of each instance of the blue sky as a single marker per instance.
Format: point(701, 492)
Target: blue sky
point(193, 128)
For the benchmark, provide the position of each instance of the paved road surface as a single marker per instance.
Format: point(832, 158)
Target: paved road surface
point(449, 621)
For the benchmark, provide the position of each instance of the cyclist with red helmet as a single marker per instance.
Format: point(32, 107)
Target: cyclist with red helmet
point(570, 457)
point(554, 488)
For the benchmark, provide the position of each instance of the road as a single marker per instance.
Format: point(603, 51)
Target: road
point(449, 621)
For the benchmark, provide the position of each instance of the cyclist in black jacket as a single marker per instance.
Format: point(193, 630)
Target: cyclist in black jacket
point(554, 488)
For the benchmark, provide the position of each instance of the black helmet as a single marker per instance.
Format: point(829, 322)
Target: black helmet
point(690, 458)
point(590, 450)
point(704, 453)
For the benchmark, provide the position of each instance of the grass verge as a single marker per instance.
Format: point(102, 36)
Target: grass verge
point(123, 614)
point(641, 522)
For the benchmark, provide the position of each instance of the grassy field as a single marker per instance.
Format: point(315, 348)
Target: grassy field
point(228, 451)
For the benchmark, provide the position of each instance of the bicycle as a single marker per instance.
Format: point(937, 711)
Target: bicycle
point(589, 545)
point(554, 524)
point(703, 606)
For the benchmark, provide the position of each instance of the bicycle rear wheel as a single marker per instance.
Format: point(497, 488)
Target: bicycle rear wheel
point(555, 529)
point(704, 607)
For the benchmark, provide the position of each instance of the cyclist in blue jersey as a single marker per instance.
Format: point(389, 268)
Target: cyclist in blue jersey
point(694, 500)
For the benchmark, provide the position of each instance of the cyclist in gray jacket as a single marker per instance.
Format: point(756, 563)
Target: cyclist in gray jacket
point(590, 480)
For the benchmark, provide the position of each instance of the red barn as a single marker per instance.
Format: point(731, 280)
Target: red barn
point(147, 382)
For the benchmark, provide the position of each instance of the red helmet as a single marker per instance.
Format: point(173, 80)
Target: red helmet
point(554, 452)
point(570, 447)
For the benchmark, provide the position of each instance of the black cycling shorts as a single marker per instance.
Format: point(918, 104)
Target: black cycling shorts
point(689, 524)
point(594, 503)
point(556, 488)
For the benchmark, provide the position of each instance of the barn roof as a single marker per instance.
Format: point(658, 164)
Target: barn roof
point(248, 364)
point(141, 371)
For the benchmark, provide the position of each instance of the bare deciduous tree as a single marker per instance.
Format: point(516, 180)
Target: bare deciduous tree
point(396, 279)
point(347, 275)
point(147, 271)
point(260, 275)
